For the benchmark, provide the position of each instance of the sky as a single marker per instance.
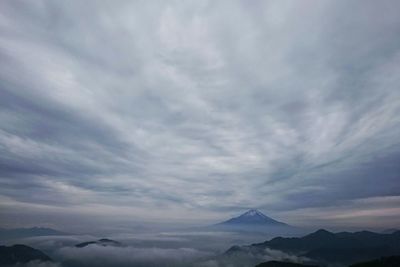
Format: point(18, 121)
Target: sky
point(194, 111)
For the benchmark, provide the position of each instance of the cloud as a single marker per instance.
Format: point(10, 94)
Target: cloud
point(95, 255)
point(250, 258)
point(164, 249)
point(37, 264)
point(195, 110)
point(377, 212)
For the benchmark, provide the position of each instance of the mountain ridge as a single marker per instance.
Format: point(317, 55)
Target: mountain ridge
point(13, 233)
point(17, 254)
point(326, 247)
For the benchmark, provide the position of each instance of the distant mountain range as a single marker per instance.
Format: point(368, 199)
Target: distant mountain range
point(390, 231)
point(20, 254)
point(28, 232)
point(326, 247)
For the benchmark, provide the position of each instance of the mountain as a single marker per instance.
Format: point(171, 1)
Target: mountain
point(350, 255)
point(326, 247)
point(252, 217)
point(390, 231)
point(21, 254)
point(101, 242)
point(256, 222)
point(28, 232)
point(282, 264)
point(392, 261)
point(328, 240)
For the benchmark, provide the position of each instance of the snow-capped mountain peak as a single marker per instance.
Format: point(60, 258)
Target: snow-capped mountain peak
point(253, 212)
point(252, 216)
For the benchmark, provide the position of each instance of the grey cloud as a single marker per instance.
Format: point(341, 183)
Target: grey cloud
point(37, 264)
point(161, 249)
point(249, 258)
point(372, 213)
point(128, 256)
point(155, 256)
point(212, 106)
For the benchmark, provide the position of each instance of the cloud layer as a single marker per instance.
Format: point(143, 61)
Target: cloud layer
point(171, 110)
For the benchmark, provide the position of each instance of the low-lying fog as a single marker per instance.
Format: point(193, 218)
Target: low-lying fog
point(160, 248)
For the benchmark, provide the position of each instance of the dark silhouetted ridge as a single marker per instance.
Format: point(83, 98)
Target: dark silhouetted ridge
point(282, 264)
point(326, 247)
point(21, 254)
point(392, 261)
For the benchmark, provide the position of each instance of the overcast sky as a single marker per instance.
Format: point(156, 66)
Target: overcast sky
point(197, 110)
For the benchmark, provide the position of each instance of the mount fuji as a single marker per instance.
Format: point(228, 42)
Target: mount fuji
point(253, 217)
point(255, 221)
